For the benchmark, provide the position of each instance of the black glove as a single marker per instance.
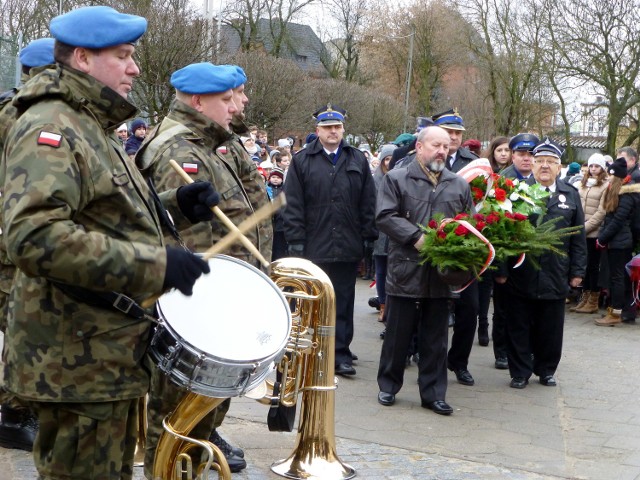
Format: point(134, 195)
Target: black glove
point(183, 269)
point(296, 250)
point(196, 199)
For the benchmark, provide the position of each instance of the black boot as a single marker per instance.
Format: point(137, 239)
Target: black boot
point(234, 455)
point(483, 334)
point(18, 428)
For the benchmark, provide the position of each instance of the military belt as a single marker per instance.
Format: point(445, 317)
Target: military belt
point(106, 300)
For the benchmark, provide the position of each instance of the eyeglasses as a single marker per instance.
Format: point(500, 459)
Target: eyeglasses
point(546, 161)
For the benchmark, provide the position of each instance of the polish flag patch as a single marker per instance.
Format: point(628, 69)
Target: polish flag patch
point(51, 139)
point(190, 167)
point(222, 150)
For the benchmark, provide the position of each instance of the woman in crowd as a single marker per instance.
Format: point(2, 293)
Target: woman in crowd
point(621, 199)
point(592, 188)
point(499, 153)
point(380, 245)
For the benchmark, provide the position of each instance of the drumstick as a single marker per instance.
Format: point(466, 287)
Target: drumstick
point(223, 218)
point(264, 212)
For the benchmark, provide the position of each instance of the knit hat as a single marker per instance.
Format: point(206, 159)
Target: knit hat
point(278, 172)
point(310, 138)
point(137, 123)
point(404, 139)
point(386, 151)
point(619, 168)
point(574, 167)
point(597, 159)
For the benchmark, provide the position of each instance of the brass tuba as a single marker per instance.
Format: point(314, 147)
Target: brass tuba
point(307, 368)
point(312, 345)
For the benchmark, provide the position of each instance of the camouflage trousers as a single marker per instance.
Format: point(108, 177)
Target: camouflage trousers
point(164, 397)
point(88, 441)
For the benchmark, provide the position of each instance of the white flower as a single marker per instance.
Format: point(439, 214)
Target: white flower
point(523, 186)
point(514, 196)
point(492, 193)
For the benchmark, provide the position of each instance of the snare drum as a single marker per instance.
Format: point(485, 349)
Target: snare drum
point(224, 339)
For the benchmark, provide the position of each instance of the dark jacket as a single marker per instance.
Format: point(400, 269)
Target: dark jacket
point(464, 156)
point(401, 152)
point(330, 208)
point(619, 226)
point(512, 172)
point(407, 198)
point(132, 145)
point(278, 222)
point(551, 280)
point(634, 172)
point(381, 245)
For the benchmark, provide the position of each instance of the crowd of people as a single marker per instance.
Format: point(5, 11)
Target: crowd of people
point(95, 221)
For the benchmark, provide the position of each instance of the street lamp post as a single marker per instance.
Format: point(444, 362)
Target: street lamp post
point(409, 74)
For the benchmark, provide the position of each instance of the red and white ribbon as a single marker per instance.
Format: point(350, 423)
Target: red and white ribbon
point(491, 252)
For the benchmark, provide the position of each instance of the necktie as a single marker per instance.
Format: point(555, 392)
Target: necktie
point(332, 157)
point(547, 189)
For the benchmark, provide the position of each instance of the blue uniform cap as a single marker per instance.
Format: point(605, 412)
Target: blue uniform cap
point(329, 115)
point(524, 142)
point(97, 27)
point(449, 119)
point(203, 78)
point(547, 148)
point(38, 53)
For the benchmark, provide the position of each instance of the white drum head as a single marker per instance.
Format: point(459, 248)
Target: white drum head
point(235, 313)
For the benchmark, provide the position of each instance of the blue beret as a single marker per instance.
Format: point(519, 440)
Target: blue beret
point(449, 119)
point(97, 27)
point(38, 53)
point(329, 115)
point(524, 142)
point(241, 77)
point(203, 78)
point(547, 148)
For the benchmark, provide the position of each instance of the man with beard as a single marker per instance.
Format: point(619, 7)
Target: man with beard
point(417, 299)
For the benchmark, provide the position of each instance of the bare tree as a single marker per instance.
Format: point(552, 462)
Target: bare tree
point(507, 45)
point(243, 17)
point(281, 13)
point(598, 43)
point(343, 54)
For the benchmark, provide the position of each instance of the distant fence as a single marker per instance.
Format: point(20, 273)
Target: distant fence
point(9, 64)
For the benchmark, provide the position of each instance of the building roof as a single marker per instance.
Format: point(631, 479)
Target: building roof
point(582, 142)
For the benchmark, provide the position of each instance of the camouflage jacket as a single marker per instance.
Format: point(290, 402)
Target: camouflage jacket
point(194, 142)
point(76, 211)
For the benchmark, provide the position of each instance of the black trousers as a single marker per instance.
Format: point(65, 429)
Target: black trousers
point(429, 317)
point(590, 282)
point(485, 286)
point(464, 329)
point(343, 277)
point(534, 327)
point(499, 320)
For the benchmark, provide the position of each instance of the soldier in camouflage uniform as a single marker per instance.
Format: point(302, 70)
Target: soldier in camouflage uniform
point(193, 134)
point(81, 224)
point(18, 425)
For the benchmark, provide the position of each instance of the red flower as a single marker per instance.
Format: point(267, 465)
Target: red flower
point(519, 216)
point(478, 217)
point(480, 225)
point(461, 216)
point(508, 182)
point(493, 217)
point(461, 230)
point(508, 215)
point(495, 177)
point(432, 224)
point(477, 194)
point(441, 234)
point(501, 195)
